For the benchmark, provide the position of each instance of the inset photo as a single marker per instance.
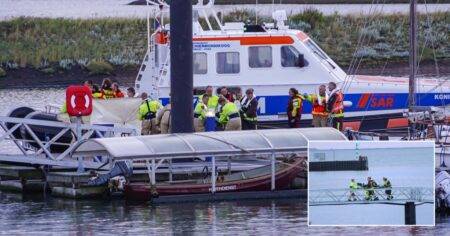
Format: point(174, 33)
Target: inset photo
point(383, 183)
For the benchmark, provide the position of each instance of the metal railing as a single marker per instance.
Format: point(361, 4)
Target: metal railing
point(360, 195)
point(40, 147)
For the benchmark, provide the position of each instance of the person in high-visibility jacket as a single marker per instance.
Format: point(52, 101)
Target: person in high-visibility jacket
point(229, 115)
point(248, 110)
point(96, 92)
point(147, 114)
point(335, 106)
point(370, 189)
point(106, 89)
point(388, 186)
point(200, 113)
point(319, 107)
point(213, 100)
point(294, 108)
point(117, 92)
point(353, 186)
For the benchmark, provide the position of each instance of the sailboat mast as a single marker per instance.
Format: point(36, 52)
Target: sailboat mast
point(412, 53)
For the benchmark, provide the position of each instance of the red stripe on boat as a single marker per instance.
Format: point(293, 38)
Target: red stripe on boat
point(397, 122)
point(362, 103)
point(252, 40)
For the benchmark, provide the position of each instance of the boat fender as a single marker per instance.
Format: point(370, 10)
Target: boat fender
point(348, 103)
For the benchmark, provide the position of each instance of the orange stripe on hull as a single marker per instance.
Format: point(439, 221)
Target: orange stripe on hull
point(302, 36)
point(397, 123)
point(354, 125)
point(363, 100)
point(251, 40)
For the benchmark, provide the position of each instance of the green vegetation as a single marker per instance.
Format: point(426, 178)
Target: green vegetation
point(96, 44)
point(99, 67)
point(2, 72)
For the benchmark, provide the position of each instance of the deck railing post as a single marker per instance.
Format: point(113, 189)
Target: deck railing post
point(272, 180)
point(170, 170)
point(153, 180)
point(213, 174)
point(80, 168)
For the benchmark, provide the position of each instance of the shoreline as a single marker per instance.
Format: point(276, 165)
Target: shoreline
point(84, 9)
point(28, 78)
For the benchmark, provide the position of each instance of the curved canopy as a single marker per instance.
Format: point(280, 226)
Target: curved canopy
point(226, 143)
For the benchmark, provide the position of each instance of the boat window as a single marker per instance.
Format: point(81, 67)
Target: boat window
point(289, 56)
point(313, 46)
point(227, 63)
point(200, 63)
point(260, 56)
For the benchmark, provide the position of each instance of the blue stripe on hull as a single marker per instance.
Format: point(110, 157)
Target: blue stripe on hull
point(276, 105)
point(376, 102)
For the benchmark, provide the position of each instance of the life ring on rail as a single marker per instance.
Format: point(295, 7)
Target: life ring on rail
point(79, 100)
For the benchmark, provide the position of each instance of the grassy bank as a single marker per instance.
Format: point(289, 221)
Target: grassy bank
point(52, 45)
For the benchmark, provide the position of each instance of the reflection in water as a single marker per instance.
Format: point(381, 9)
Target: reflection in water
point(20, 215)
point(34, 215)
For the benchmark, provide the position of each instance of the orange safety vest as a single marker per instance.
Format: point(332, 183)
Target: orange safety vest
point(319, 110)
point(161, 37)
point(119, 94)
point(338, 106)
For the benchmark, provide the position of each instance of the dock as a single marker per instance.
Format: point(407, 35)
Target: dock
point(21, 179)
point(37, 167)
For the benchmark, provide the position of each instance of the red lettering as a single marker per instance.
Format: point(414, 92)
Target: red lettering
point(373, 103)
point(389, 102)
point(381, 103)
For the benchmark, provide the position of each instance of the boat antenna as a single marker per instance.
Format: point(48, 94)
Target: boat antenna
point(357, 150)
point(412, 54)
point(412, 59)
point(256, 13)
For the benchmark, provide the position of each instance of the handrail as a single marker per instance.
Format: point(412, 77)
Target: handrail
point(337, 196)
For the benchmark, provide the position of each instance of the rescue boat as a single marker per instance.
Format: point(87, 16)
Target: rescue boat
point(258, 179)
point(271, 58)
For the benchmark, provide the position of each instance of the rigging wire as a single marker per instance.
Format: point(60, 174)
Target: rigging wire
point(352, 69)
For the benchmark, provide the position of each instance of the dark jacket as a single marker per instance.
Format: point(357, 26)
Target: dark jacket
point(330, 103)
point(249, 109)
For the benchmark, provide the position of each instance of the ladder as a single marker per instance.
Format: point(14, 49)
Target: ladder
point(158, 71)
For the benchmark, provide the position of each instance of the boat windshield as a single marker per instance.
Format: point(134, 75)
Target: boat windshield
point(313, 46)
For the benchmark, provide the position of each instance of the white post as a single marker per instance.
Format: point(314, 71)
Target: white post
point(153, 173)
point(149, 171)
point(170, 170)
point(229, 165)
point(272, 180)
point(80, 168)
point(213, 174)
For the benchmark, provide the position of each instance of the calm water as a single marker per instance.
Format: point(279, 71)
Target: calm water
point(19, 215)
point(118, 8)
point(404, 167)
point(39, 216)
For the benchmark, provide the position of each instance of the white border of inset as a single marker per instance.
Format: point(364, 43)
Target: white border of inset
point(432, 144)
